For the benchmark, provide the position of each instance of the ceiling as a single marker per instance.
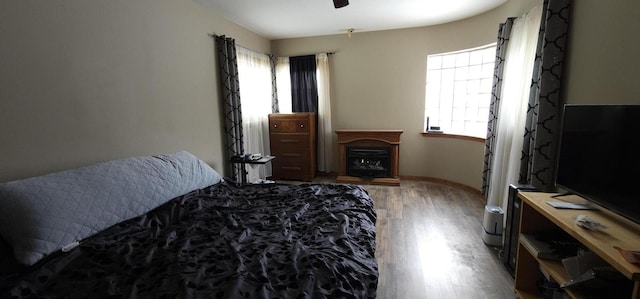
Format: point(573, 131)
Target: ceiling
point(278, 19)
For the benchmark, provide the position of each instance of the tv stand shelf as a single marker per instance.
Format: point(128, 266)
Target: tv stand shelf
point(538, 216)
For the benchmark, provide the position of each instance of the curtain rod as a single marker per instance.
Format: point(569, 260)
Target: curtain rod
point(328, 53)
point(212, 35)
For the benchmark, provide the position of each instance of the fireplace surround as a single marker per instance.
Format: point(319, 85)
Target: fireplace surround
point(369, 156)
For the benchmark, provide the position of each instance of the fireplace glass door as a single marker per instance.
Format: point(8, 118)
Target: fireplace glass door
point(371, 162)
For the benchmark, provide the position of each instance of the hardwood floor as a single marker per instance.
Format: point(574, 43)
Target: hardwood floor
point(429, 244)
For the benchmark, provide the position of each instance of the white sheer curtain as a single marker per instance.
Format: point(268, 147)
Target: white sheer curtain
point(518, 71)
point(325, 132)
point(254, 73)
point(283, 81)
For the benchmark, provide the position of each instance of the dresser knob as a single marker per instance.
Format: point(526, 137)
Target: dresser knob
point(275, 126)
point(301, 126)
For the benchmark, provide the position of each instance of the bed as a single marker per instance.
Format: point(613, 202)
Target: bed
point(169, 226)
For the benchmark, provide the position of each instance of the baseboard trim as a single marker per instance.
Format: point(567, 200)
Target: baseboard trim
point(373, 181)
point(442, 181)
point(470, 189)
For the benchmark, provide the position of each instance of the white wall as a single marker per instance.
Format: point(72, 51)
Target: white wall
point(84, 81)
point(603, 64)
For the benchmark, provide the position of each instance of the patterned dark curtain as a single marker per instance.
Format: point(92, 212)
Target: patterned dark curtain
point(275, 107)
point(230, 92)
point(504, 32)
point(537, 165)
point(304, 87)
point(545, 102)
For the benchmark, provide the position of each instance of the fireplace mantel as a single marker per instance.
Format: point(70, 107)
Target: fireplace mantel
point(386, 138)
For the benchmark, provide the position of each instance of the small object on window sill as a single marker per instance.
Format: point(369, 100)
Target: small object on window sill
point(435, 131)
point(434, 128)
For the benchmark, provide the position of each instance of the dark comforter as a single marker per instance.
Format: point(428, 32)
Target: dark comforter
point(261, 241)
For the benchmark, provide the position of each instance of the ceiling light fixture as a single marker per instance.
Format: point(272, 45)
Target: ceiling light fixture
point(340, 3)
point(349, 31)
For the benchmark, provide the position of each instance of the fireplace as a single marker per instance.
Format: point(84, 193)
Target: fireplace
point(368, 162)
point(369, 156)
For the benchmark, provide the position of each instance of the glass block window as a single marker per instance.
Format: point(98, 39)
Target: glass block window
point(458, 91)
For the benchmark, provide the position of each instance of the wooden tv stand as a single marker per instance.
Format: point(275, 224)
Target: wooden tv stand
point(538, 216)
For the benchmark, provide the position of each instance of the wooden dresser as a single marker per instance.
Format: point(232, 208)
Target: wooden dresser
point(293, 142)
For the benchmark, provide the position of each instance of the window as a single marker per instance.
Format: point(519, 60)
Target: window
point(254, 74)
point(458, 91)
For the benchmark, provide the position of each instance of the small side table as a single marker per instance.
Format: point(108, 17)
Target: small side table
point(243, 161)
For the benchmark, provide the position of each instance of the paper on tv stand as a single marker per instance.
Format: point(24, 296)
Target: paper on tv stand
point(571, 205)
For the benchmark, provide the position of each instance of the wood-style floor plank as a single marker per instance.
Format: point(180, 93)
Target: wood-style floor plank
point(429, 244)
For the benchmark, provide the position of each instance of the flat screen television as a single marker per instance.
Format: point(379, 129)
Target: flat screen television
point(599, 156)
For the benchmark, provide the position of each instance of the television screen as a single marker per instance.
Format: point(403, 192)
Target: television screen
point(599, 156)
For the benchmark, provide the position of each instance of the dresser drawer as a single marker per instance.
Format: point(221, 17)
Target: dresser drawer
point(284, 142)
point(289, 158)
point(286, 170)
point(289, 125)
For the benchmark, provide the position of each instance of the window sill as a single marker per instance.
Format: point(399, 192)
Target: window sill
point(453, 136)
